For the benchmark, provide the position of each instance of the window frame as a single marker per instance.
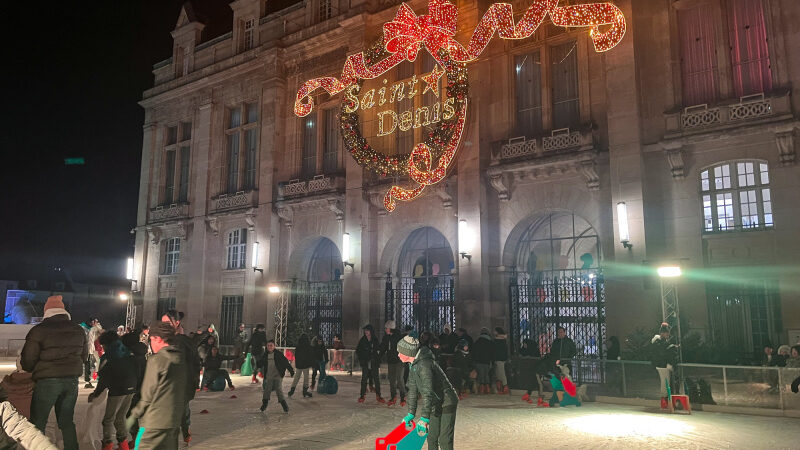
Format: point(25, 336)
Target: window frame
point(236, 249)
point(721, 196)
point(172, 256)
point(183, 140)
point(246, 159)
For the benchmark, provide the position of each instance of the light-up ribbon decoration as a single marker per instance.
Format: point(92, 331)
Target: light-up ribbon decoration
point(405, 35)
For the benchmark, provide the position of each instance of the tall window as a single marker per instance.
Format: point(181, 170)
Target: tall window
point(163, 305)
point(172, 255)
point(242, 148)
point(747, 33)
point(248, 34)
point(564, 81)
point(237, 249)
point(736, 195)
point(309, 163)
point(528, 73)
point(746, 43)
point(333, 141)
point(325, 10)
point(176, 163)
point(230, 318)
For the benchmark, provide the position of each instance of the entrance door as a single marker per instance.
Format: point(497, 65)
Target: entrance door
point(425, 292)
point(318, 299)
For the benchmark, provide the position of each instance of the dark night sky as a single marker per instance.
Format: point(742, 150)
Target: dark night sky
point(72, 80)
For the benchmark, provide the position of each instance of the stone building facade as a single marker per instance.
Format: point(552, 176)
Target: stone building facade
point(691, 122)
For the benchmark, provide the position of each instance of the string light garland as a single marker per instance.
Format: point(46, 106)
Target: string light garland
point(405, 36)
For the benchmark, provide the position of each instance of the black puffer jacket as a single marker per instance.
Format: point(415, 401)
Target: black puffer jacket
point(662, 352)
point(117, 371)
point(189, 350)
point(463, 361)
point(304, 356)
point(56, 348)
point(427, 379)
point(257, 343)
point(563, 348)
point(500, 348)
point(368, 350)
point(215, 362)
point(483, 350)
point(139, 351)
point(389, 346)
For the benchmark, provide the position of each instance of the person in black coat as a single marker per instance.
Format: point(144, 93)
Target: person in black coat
point(500, 349)
point(461, 333)
point(242, 338)
point(563, 348)
point(446, 340)
point(320, 359)
point(368, 353)
point(275, 367)
point(139, 350)
point(389, 349)
point(303, 360)
point(459, 372)
point(117, 373)
point(482, 356)
point(664, 356)
point(212, 369)
point(256, 348)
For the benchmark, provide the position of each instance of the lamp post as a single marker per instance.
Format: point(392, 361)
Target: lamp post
point(669, 276)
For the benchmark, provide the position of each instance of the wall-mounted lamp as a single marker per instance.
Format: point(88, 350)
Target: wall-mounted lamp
point(124, 296)
point(622, 221)
point(669, 271)
point(255, 259)
point(274, 289)
point(466, 240)
point(346, 251)
point(129, 270)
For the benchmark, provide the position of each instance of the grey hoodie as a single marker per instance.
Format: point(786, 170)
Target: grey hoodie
point(163, 390)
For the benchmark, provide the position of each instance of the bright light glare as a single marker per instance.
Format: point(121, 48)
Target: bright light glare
point(466, 238)
point(669, 271)
point(129, 270)
point(274, 289)
point(255, 254)
point(346, 247)
point(622, 220)
point(628, 425)
point(123, 296)
point(8, 367)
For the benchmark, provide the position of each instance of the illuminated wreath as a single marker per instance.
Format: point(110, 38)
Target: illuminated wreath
point(438, 139)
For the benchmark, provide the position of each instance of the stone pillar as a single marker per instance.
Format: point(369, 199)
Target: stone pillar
point(624, 286)
point(358, 308)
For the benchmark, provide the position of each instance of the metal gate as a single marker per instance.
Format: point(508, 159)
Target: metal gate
point(425, 303)
point(319, 305)
point(230, 318)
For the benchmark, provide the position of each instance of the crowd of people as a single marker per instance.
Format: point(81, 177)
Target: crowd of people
point(146, 378)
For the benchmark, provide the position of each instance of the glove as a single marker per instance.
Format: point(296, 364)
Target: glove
point(130, 422)
point(407, 419)
point(795, 385)
point(422, 426)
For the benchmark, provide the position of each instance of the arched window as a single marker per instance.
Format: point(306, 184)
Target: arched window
point(237, 248)
point(736, 196)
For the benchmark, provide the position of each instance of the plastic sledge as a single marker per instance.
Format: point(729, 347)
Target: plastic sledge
point(401, 438)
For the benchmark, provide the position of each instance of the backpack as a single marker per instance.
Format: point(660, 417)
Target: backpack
point(327, 385)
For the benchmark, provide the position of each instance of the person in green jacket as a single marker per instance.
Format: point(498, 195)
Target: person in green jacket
point(437, 416)
point(163, 393)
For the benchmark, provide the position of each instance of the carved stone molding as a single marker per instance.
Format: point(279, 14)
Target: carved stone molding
point(786, 147)
point(213, 225)
point(442, 191)
point(336, 209)
point(286, 215)
point(505, 177)
point(287, 210)
point(376, 200)
point(498, 182)
point(588, 167)
point(674, 152)
point(154, 234)
point(250, 218)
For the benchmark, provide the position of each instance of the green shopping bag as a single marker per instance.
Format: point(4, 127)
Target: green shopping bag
point(247, 366)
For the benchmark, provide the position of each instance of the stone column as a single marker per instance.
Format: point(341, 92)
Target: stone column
point(358, 308)
point(140, 253)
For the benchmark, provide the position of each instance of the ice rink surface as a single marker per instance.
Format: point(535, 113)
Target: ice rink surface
point(483, 422)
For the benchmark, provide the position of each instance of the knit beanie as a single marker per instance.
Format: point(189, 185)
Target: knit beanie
point(408, 346)
point(54, 301)
point(390, 325)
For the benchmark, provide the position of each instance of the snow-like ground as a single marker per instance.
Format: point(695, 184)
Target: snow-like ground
point(483, 422)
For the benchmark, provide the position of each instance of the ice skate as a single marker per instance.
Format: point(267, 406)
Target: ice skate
point(306, 394)
point(264, 404)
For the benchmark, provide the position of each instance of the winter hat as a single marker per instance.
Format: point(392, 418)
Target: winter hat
point(369, 327)
point(390, 325)
point(463, 343)
point(54, 301)
point(408, 346)
point(664, 328)
point(485, 331)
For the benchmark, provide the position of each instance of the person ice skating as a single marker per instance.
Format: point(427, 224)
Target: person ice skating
point(204, 349)
point(459, 372)
point(482, 356)
point(192, 359)
point(320, 353)
point(338, 355)
point(95, 349)
point(437, 415)
point(212, 369)
point(275, 367)
point(16, 432)
point(461, 333)
point(303, 360)
point(389, 348)
point(54, 352)
point(117, 373)
point(663, 356)
point(368, 353)
point(563, 348)
point(88, 364)
point(500, 359)
point(447, 340)
point(242, 337)
point(140, 352)
point(256, 348)
point(164, 389)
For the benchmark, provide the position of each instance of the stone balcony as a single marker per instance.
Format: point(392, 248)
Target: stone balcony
point(748, 110)
point(562, 152)
point(175, 211)
point(319, 184)
point(239, 200)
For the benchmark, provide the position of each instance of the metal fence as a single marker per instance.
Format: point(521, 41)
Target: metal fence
point(738, 386)
point(425, 303)
point(320, 304)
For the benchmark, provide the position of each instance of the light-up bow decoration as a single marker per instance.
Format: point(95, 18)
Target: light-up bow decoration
point(405, 35)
